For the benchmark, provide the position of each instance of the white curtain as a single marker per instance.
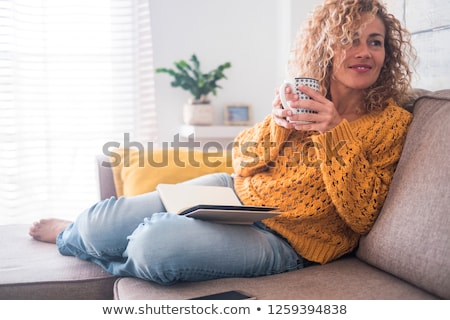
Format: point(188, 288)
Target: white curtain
point(74, 75)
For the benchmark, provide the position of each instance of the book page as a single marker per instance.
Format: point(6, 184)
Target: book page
point(178, 197)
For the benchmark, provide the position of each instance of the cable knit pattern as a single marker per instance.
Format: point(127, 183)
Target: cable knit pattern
point(330, 187)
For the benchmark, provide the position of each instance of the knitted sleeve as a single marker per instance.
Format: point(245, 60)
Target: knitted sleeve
point(358, 168)
point(255, 148)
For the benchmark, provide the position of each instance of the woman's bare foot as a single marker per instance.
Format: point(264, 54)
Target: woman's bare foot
point(47, 230)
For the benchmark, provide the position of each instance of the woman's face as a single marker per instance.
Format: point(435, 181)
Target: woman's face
point(362, 62)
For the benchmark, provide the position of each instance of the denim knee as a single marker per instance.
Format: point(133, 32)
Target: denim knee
point(154, 252)
point(97, 236)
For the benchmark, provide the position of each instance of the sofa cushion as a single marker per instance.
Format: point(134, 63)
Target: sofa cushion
point(411, 238)
point(412, 96)
point(347, 279)
point(139, 171)
point(31, 269)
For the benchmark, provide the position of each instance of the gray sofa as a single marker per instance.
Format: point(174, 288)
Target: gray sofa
point(405, 256)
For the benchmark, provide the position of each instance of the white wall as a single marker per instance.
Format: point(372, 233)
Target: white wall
point(429, 24)
point(254, 35)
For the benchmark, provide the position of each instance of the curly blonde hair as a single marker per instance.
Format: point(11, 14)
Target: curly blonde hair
point(334, 25)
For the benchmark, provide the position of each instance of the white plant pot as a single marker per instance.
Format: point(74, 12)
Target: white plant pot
point(198, 114)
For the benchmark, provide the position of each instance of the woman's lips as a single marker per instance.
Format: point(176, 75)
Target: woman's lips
point(361, 67)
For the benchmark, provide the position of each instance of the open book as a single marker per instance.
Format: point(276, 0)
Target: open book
point(212, 203)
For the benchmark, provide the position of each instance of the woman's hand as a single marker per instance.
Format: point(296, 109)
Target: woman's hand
point(324, 120)
point(279, 114)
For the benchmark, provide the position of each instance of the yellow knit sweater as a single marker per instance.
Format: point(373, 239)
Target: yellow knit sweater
point(330, 187)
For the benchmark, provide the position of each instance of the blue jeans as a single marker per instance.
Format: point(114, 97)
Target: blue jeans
point(133, 236)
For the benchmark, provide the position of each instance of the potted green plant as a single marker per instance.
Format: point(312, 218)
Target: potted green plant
point(188, 76)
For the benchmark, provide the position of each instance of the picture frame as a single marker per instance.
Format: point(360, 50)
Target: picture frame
point(237, 115)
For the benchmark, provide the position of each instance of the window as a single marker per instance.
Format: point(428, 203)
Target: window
point(74, 75)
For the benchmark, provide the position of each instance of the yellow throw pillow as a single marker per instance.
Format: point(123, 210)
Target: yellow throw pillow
point(140, 171)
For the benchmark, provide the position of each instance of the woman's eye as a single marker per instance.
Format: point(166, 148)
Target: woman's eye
point(377, 43)
point(355, 42)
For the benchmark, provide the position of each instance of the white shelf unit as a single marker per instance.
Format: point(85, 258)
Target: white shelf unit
point(211, 137)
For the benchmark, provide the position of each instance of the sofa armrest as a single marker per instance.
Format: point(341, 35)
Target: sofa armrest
point(105, 177)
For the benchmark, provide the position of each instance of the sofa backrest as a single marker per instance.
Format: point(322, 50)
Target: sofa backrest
point(411, 238)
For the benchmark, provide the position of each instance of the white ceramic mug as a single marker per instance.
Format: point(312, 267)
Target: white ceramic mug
point(294, 83)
